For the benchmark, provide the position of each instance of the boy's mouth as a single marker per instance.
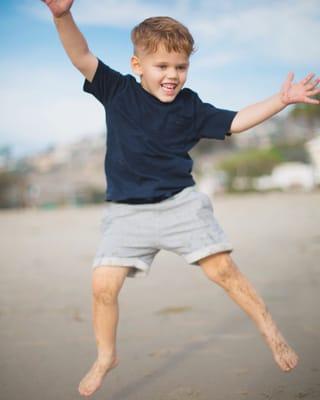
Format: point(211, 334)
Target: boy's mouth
point(169, 88)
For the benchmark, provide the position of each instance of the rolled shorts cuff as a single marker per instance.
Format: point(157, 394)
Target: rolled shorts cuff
point(197, 255)
point(140, 269)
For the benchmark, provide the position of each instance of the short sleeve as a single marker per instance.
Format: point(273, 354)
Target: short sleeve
point(212, 122)
point(106, 82)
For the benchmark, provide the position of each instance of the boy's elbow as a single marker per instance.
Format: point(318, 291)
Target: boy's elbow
point(234, 128)
point(87, 65)
point(79, 61)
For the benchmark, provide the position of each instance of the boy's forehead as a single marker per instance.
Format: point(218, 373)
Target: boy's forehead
point(162, 54)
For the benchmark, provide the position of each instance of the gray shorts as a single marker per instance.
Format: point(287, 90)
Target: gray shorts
point(132, 234)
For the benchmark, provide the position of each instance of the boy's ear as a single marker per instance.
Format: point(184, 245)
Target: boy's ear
point(136, 66)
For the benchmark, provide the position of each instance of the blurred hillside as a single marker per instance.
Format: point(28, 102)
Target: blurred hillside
point(291, 142)
point(60, 175)
point(74, 173)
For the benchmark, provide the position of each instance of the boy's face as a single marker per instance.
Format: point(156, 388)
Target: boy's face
point(162, 74)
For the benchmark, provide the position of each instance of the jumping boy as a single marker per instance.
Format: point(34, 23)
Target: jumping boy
point(152, 202)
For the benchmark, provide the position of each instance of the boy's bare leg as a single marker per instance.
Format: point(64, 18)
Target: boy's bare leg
point(221, 269)
point(106, 284)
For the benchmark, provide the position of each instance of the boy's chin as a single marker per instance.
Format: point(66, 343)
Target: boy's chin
point(166, 98)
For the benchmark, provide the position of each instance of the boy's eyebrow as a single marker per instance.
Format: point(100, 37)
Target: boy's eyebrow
point(166, 63)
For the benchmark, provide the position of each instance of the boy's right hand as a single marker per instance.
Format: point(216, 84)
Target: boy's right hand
point(58, 7)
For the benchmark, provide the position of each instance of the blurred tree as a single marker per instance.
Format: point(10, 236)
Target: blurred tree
point(310, 111)
point(307, 115)
point(252, 163)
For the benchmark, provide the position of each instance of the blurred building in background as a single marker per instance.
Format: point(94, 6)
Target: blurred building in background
point(276, 155)
point(288, 176)
point(68, 174)
point(313, 147)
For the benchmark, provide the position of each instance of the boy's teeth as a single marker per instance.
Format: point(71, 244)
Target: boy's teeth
point(169, 85)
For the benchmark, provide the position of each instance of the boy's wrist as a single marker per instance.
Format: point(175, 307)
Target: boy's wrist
point(280, 100)
point(63, 15)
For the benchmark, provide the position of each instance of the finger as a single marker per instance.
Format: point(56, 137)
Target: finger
point(316, 82)
point(288, 81)
point(312, 84)
point(307, 78)
point(290, 76)
point(311, 101)
point(313, 92)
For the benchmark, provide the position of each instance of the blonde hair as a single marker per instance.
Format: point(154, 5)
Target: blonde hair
point(155, 30)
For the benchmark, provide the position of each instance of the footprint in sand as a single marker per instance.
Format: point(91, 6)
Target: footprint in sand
point(183, 393)
point(160, 353)
point(173, 310)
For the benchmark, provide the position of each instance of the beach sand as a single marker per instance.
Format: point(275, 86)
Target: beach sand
point(179, 337)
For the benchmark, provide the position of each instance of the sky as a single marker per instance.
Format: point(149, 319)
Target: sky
point(245, 50)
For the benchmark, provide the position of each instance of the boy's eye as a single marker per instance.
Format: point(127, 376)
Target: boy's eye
point(180, 67)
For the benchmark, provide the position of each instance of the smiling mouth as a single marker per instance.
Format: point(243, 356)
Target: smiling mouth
point(169, 86)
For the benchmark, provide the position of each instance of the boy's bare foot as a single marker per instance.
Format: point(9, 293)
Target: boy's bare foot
point(283, 354)
point(93, 380)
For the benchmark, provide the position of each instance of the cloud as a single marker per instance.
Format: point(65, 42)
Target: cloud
point(284, 31)
point(105, 12)
point(42, 105)
point(216, 59)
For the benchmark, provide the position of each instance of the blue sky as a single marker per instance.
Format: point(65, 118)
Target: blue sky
point(245, 51)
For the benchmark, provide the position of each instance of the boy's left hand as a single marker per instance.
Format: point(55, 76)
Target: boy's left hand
point(299, 92)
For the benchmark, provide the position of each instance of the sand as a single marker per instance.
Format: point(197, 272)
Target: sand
point(180, 337)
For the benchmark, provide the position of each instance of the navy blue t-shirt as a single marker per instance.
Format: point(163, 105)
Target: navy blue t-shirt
point(148, 140)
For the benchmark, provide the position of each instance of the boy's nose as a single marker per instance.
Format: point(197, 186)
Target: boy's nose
point(172, 73)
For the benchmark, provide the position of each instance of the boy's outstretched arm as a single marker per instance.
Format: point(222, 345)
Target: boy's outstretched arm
point(290, 93)
point(72, 39)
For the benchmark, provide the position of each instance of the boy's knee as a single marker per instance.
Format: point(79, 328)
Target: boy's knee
point(219, 267)
point(105, 294)
point(107, 282)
